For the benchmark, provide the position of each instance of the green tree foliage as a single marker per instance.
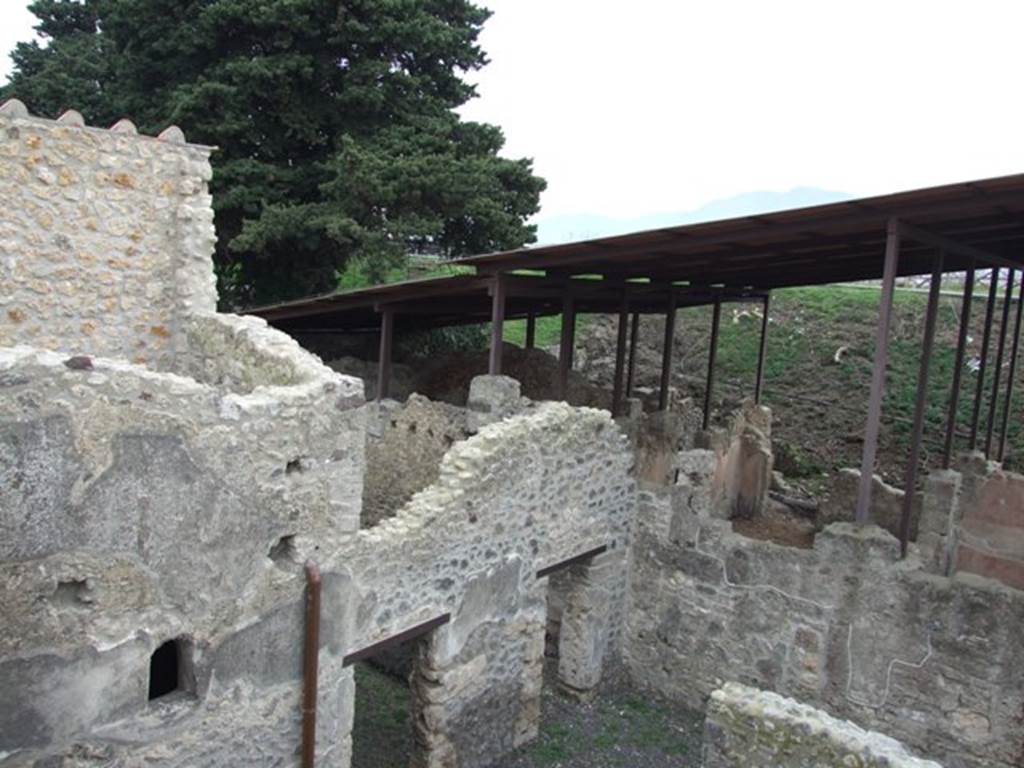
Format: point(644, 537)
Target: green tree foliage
point(335, 124)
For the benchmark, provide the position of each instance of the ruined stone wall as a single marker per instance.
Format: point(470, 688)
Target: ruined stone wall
point(936, 662)
point(404, 448)
point(171, 501)
point(522, 494)
point(748, 728)
point(105, 240)
point(137, 507)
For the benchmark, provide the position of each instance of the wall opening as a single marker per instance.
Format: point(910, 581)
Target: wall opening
point(572, 628)
point(170, 669)
point(389, 728)
point(386, 708)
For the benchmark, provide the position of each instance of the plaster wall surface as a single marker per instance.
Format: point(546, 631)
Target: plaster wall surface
point(748, 728)
point(173, 500)
point(990, 529)
point(105, 240)
point(848, 626)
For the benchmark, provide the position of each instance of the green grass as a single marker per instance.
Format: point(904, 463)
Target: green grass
point(810, 324)
point(547, 333)
point(630, 723)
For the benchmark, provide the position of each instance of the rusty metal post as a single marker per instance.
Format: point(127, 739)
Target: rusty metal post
point(997, 372)
point(867, 465)
point(1012, 372)
point(310, 664)
point(958, 366)
point(620, 354)
point(709, 385)
point(986, 335)
point(920, 401)
point(666, 353)
point(565, 348)
point(631, 367)
point(387, 327)
point(531, 330)
point(759, 380)
point(498, 290)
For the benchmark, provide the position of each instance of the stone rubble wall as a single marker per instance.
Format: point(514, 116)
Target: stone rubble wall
point(749, 728)
point(885, 510)
point(848, 626)
point(106, 238)
point(523, 494)
point(405, 444)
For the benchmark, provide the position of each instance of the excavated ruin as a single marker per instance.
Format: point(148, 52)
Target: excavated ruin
point(204, 528)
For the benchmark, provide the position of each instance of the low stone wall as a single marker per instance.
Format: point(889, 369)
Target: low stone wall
point(934, 661)
point(748, 728)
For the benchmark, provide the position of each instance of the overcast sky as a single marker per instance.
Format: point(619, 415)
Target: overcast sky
point(662, 105)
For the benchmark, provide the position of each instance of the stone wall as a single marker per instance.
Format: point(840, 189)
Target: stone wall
point(405, 444)
point(973, 520)
point(521, 495)
point(934, 661)
point(137, 507)
point(748, 728)
point(105, 240)
point(164, 483)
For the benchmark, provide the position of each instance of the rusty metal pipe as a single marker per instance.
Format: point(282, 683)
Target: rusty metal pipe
point(986, 334)
point(310, 664)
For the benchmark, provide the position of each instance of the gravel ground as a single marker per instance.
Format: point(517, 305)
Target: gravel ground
point(620, 728)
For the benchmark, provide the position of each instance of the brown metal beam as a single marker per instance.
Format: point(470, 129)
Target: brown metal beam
point(531, 330)
point(761, 349)
point(998, 371)
point(565, 347)
point(620, 354)
point(1012, 374)
point(666, 354)
point(709, 386)
point(310, 664)
point(958, 366)
point(910, 232)
point(986, 336)
point(497, 325)
point(569, 562)
point(919, 403)
point(631, 368)
point(387, 326)
point(867, 466)
point(395, 640)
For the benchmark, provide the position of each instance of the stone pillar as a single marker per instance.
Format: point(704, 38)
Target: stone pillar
point(491, 398)
point(583, 637)
point(940, 520)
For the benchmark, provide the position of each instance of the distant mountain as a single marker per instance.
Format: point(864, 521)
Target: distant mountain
point(564, 229)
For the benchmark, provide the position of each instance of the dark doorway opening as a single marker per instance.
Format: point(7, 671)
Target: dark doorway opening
point(170, 669)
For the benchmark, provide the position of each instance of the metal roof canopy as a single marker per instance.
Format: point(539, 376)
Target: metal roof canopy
point(959, 227)
point(838, 242)
point(731, 259)
point(467, 299)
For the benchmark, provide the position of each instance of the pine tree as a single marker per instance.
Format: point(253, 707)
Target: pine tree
point(335, 124)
